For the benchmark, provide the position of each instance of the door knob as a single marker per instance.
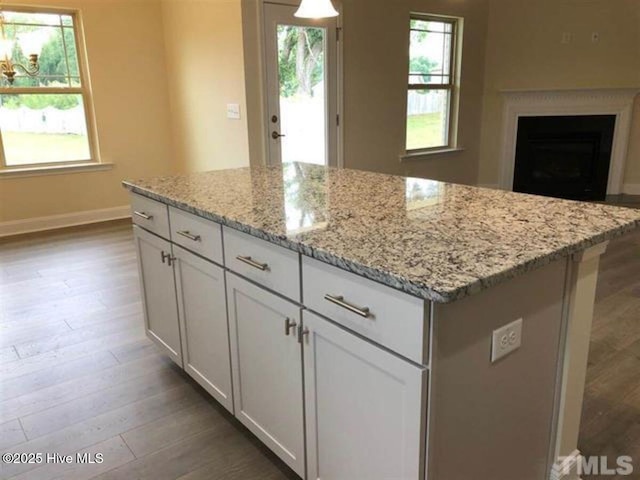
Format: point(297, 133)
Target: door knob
point(275, 135)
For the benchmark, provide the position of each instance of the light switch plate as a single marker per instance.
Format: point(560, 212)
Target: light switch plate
point(233, 111)
point(506, 340)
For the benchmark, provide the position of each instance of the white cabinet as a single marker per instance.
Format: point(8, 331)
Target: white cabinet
point(385, 316)
point(158, 292)
point(150, 215)
point(196, 234)
point(185, 312)
point(267, 368)
point(273, 267)
point(200, 286)
point(365, 408)
point(278, 369)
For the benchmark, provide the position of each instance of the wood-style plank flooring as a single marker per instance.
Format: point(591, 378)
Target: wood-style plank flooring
point(77, 374)
point(611, 412)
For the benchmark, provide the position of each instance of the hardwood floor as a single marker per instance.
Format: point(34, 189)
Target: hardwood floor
point(611, 413)
point(77, 374)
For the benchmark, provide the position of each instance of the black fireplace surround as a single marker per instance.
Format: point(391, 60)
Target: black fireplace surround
point(564, 156)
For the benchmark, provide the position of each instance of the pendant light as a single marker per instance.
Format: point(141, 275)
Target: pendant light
point(316, 9)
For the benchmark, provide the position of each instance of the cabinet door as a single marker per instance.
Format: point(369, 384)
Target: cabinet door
point(202, 306)
point(365, 408)
point(158, 292)
point(267, 369)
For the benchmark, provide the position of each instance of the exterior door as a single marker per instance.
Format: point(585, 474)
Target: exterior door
point(365, 408)
point(158, 292)
point(267, 368)
point(302, 79)
point(203, 324)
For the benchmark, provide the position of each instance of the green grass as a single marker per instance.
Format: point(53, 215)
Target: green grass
point(29, 148)
point(424, 131)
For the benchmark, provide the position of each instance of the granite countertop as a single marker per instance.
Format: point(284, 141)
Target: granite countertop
point(438, 241)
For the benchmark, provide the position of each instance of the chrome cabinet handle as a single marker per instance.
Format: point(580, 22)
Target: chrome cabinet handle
point(143, 215)
point(167, 258)
point(339, 300)
point(301, 333)
point(288, 325)
point(251, 262)
point(195, 238)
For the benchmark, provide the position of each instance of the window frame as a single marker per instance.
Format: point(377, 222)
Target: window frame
point(452, 87)
point(84, 90)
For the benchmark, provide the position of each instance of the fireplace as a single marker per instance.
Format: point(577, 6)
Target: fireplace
point(586, 103)
point(564, 156)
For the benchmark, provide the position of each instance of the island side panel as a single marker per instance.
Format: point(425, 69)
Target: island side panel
point(582, 280)
point(495, 420)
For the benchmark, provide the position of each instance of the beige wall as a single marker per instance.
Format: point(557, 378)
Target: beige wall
point(375, 63)
point(376, 36)
point(205, 59)
point(524, 51)
point(124, 41)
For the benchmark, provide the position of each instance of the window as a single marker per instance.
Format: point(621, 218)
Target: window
point(432, 82)
point(44, 120)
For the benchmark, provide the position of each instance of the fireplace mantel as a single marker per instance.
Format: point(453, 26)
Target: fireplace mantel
point(605, 101)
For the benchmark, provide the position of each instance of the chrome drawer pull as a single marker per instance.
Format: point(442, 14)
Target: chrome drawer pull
point(249, 261)
point(339, 300)
point(143, 215)
point(195, 238)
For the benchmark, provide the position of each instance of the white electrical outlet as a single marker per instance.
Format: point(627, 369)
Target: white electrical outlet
point(506, 340)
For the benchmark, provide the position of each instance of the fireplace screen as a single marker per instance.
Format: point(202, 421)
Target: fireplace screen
point(565, 157)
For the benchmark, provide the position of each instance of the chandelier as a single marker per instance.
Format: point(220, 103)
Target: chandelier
point(30, 43)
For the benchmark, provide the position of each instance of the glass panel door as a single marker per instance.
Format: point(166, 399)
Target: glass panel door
point(301, 87)
point(302, 73)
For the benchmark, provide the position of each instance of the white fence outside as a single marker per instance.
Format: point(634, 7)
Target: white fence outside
point(47, 120)
point(424, 103)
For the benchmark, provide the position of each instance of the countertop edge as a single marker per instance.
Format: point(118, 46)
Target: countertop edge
point(385, 278)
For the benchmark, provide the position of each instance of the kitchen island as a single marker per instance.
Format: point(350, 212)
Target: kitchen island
point(373, 326)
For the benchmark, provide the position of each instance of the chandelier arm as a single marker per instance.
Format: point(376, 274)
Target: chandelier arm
point(29, 71)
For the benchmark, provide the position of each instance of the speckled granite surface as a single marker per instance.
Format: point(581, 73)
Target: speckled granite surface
point(434, 240)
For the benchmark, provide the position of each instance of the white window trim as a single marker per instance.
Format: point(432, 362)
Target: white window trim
point(42, 168)
point(453, 87)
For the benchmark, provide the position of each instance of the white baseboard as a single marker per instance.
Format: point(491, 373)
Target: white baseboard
point(567, 469)
point(40, 224)
point(631, 188)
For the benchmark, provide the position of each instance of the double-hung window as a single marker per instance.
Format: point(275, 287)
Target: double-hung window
point(45, 119)
point(432, 92)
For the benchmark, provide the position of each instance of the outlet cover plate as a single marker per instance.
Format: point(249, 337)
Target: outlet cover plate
point(506, 340)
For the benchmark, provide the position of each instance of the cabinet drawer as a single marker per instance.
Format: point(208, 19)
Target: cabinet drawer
point(271, 266)
point(197, 234)
point(150, 215)
point(386, 316)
